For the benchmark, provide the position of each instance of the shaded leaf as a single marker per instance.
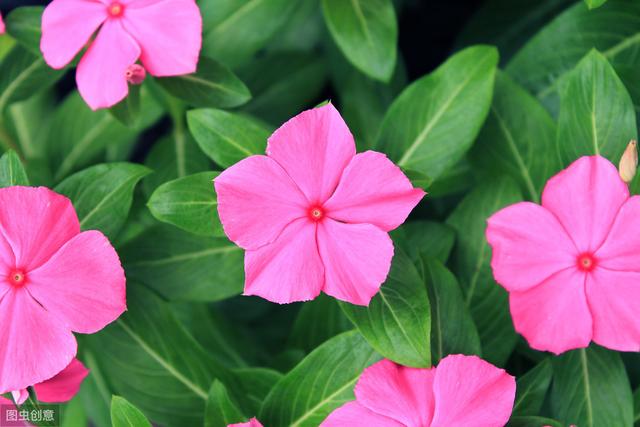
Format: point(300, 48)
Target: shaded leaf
point(23, 24)
point(429, 238)
point(124, 414)
point(532, 388)
point(530, 421)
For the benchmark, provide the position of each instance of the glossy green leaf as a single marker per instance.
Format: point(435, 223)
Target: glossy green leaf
point(397, 322)
point(592, 4)
point(433, 122)
point(102, 195)
point(367, 33)
point(11, 170)
point(213, 85)
point(207, 268)
point(220, 410)
point(518, 139)
point(596, 112)
point(23, 24)
point(189, 203)
point(532, 388)
point(124, 414)
point(487, 301)
point(452, 328)
point(227, 137)
point(322, 382)
point(591, 388)
point(530, 421)
point(433, 239)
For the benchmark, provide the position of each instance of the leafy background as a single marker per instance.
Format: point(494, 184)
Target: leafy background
point(479, 101)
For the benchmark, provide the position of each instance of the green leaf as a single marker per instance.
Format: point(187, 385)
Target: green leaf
point(220, 410)
point(518, 139)
point(227, 137)
point(433, 239)
point(433, 122)
point(591, 388)
point(127, 111)
point(149, 357)
point(212, 85)
point(487, 301)
point(322, 382)
point(592, 4)
point(11, 170)
point(597, 116)
point(235, 30)
point(73, 414)
point(23, 24)
point(102, 195)
point(532, 388)
point(397, 322)
point(533, 422)
point(95, 391)
point(187, 259)
point(452, 328)
point(636, 408)
point(189, 203)
point(124, 414)
point(254, 384)
point(367, 33)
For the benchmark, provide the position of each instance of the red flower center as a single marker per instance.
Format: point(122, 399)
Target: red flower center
point(316, 213)
point(586, 262)
point(115, 9)
point(17, 277)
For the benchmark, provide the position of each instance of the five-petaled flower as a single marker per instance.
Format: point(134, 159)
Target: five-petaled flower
point(312, 214)
point(572, 265)
point(53, 280)
point(461, 391)
point(165, 35)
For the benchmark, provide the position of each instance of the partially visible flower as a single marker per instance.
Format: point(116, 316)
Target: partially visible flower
point(54, 279)
point(252, 423)
point(571, 266)
point(165, 35)
point(462, 391)
point(2, 28)
point(61, 388)
point(312, 214)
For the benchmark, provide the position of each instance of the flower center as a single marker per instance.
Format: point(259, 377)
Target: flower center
point(17, 277)
point(115, 9)
point(316, 213)
point(586, 262)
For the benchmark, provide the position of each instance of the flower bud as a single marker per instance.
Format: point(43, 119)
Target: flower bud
point(135, 74)
point(629, 162)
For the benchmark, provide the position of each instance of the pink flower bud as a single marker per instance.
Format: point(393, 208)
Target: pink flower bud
point(136, 74)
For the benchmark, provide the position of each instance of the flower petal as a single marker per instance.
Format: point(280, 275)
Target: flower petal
point(64, 386)
point(356, 415)
point(288, 269)
point(2, 28)
point(621, 249)
point(256, 200)
point(36, 222)
point(253, 422)
point(375, 191)
point(169, 33)
point(586, 198)
point(554, 316)
point(20, 396)
point(101, 74)
point(67, 26)
point(356, 259)
point(314, 147)
point(83, 284)
point(528, 245)
point(614, 300)
point(35, 356)
point(398, 392)
point(470, 392)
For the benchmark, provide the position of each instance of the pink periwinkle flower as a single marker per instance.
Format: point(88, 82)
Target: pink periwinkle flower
point(312, 214)
point(165, 35)
point(252, 423)
point(61, 388)
point(572, 265)
point(462, 391)
point(54, 279)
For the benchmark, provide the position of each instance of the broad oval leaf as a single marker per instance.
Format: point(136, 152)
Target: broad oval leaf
point(212, 85)
point(189, 203)
point(206, 268)
point(102, 195)
point(23, 24)
point(11, 170)
point(367, 33)
point(220, 410)
point(227, 137)
point(397, 322)
point(591, 389)
point(124, 414)
point(532, 389)
point(322, 382)
point(434, 121)
point(487, 301)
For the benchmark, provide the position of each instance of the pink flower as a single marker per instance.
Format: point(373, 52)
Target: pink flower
point(2, 28)
point(313, 215)
point(463, 391)
point(53, 280)
point(572, 265)
point(252, 423)
point(61, 388)
point(165, 35)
